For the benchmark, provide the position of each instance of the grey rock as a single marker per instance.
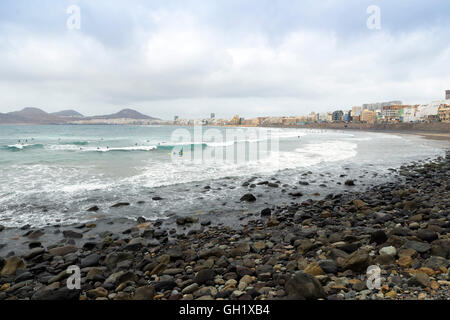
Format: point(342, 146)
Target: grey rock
point(58, 294)
point(204, 276)
point(90, 261)
point(304, 286)
point(420, 247)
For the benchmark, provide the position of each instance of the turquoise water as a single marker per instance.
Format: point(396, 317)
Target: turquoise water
point(53, 174)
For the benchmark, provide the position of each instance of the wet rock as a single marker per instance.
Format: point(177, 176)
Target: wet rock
point(62, 251)
point(141, 220)
point(328, 266)
point(427, 235)
point(436, 263)
point(34, 244)
point(33, 253)
point(357, 261)
point(420, 279)
point(90, 261)
point(135, 244)
point(36, 234)
point(89, 245)
point(120, 277)
point(24, 277)
point(96, 274)
point(191, 288)
point(58, 294)
point(242, 271)
point(240, 250)
point(296, 194)
point(441, 248)
point(11, 265)
point(378, 237)
point(248, 198)
point(350, 183)
point(114, 258)
point(304, 286)
point(72, 234)
point(144, 293)
point(418, 246)
point(204, 276)
point(314, 269)
point(384, 259)
point(266, 212)
point(97, 293)
point(216, 252)
point(93, 209)
point(410, 205)
point(120, 204)
point(164, 285)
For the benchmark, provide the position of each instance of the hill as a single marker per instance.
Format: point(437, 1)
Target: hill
point(126, 114)
point(30, 116)
point(68, 114)
point(38, 116)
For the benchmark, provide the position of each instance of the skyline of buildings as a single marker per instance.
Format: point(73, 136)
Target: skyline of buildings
point(383, 112)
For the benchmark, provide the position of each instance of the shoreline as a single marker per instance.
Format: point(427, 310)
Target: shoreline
point(309, 249)
point(435, 131)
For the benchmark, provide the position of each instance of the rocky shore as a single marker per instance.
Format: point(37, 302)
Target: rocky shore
point(311, 249)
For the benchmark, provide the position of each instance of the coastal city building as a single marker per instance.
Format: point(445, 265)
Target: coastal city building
point(381, 112)
point(322, 117)
point(392, 112)
point(379, 105)
point(444, 113)
point(312, 117)
point(337, 116)
point(368, 116)
point(447, 95)
point(356, 111)
point(329, 116)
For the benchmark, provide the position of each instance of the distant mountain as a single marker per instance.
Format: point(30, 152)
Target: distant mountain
point(29, 116)
point(126, 114)
point(68, 114)
point(38, 116)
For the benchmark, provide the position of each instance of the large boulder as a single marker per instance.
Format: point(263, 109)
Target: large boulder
point(204, 276)
point(248, 198)
point(11, 265)
point(304, 286)
point(144, 293)
point(58, 294)
point(358, 261)
point(62, 251)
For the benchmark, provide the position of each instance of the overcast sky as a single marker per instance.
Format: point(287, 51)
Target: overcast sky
point(246, 57)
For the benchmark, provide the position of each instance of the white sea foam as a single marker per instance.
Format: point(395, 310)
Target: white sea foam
point(99, 149)
point(328, 151)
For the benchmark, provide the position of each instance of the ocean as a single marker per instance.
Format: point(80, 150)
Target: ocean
point(54, 174)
